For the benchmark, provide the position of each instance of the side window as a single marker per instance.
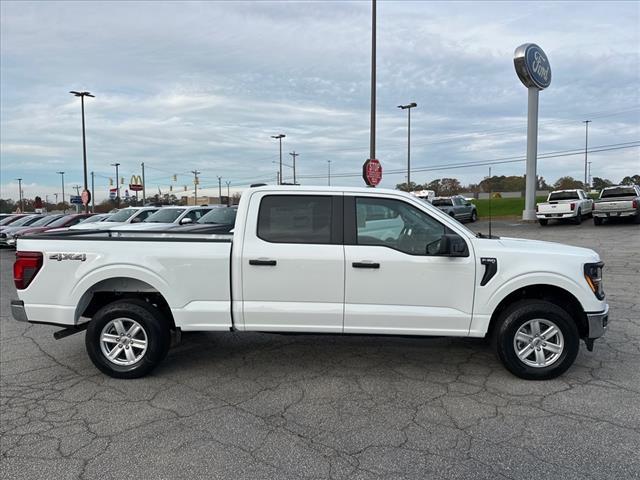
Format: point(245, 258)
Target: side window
point(403, 227)
point(196, 214)
point(143, 215)
point(295, 219)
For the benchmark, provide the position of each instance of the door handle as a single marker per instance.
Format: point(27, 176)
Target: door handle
point(266, 263)
point(365, 265)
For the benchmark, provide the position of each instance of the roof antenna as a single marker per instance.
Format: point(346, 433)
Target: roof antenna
point(490, 195)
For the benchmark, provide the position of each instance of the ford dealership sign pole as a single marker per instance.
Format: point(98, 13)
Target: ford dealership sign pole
point(534, 71)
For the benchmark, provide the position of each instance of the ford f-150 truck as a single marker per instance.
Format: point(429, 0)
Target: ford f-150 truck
point(616, 202)
point(314, 260)
point(564, 204)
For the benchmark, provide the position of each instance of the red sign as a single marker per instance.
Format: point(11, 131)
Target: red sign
point(86, 197)
point(372, 172)
point(135, 187)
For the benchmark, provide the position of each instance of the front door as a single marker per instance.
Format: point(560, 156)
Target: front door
point(293, 264)
point(394, 280)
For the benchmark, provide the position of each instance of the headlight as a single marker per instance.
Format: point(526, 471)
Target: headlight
point(593, 276)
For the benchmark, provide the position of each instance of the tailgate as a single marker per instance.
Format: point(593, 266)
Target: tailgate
point(555, 208)
point(614, 206)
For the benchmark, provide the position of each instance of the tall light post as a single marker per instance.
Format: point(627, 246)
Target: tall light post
point(20, 194)
point(219, 190)
point(408, 108)
point(589, 176)
point(294, 155)
point(279, 137)
point(228, 193)
point(64, 205)
point(117, 185)
point(195, 186)
point(84, 143)
point(586, 144)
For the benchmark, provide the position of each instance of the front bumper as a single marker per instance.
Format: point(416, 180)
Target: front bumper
point(597, 323)
point(18, 312)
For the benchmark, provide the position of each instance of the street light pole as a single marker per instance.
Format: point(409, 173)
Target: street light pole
point(586, 144)
point(228, 193)
point(84, 143)
point(117, 185)
point(195, 186)
point(294, 155)
point(20, 194)
point(589, 176)
point(64, 206)
point(219, 190)
point(372, 133)
point(279, 137)
point(408, 108)
point(93, 196)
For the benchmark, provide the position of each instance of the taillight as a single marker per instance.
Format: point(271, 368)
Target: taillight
point(26, 267)
point(634, 204)
point(573, 207)
point(594, 206)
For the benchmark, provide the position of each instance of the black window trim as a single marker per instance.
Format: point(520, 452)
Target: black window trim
point(351, 230)
point(336, 234)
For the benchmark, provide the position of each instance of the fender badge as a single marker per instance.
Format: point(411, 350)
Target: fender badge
point(68, 256)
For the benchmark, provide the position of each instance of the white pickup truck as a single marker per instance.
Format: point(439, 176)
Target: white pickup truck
point(622, 201)
point(315, 260)
point(564, 204)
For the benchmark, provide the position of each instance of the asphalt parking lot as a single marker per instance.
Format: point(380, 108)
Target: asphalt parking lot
point(261, 406)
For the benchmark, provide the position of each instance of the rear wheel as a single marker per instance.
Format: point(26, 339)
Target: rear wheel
point(578, 219)
point(597, 221)
point(536, 340)
point(127, 338)
point(474, 216)
point(543, 222)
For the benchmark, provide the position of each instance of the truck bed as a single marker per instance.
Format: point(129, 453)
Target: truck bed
point(191, 271)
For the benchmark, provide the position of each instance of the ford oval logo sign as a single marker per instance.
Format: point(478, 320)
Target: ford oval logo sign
point(532, 66)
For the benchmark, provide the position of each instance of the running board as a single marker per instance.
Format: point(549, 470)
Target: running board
point(67, 332)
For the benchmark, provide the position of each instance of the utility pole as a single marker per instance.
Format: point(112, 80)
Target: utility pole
point(228, 193)
point(408, 108)
point(20, 194)
point(329, 173)
point(56, 195)
point(93, 194)
point(294, 155)
point(117, 185)
point(64, 205)
point(586, 144)
point(144, 186)
point(589, 177)
point(372, 133)
point(84, 144)
point(279, 137)
point(195, 185)
point(219, 190)
point(77, 187)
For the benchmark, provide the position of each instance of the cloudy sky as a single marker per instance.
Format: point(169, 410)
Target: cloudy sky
point(184, 86)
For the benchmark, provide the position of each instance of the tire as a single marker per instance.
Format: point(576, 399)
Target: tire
point(474, 216)
point(543, 222)
point(148, 346)
point(597, 221)
point(578, 219)
point(538, 361)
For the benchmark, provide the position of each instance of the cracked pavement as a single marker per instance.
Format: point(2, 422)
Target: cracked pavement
point(267, 406)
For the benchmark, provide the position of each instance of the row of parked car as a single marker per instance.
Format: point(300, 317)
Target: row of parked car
point(206, 219)
point(621, 201)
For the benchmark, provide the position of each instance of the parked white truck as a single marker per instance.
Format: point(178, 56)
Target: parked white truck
point(315, 260)
point(622, 201)
point(564, 204)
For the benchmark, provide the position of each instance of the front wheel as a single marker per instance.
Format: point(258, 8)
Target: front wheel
point(127, 338)
point(536, 340)
point(474, 216)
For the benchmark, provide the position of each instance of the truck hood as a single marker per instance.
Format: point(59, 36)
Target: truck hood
point(541, 248)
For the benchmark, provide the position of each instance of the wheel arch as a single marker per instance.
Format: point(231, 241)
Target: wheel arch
point(551, 293)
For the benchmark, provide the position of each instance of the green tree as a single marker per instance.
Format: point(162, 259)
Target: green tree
point(408, 187)
point(567, 183)
point(450, 186)
point(630, 180)
point(434, 185)
point(600, 183)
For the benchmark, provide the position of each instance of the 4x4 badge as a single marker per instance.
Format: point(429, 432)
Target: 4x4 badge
point(68, 256)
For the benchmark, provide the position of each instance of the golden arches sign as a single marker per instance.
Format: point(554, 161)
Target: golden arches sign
point(135, 184)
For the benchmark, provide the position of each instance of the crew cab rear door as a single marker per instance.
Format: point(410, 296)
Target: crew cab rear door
point(292, 262)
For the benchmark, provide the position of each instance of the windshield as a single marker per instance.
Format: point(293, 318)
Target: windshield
point(442, 202)
point(26, 221)
point(165, 215)
point(95, 218)
point(59, 222)
point(45, 221)
point(8, 220)
point(554, 197)
point(618, 192)
point(224, 216)
point(122, 215)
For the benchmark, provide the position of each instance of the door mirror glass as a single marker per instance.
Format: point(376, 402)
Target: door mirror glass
point(136, 220)
point(452, 245)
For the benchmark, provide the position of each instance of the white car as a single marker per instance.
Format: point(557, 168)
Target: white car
point(121, 217)
point(315, 260)
point(564, 204)
point(168, 217)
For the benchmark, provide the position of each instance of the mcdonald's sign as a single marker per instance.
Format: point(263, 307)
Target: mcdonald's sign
point(135, 184)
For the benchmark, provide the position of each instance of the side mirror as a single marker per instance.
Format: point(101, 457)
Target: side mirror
point(186, 220)
point(467, 204)
point(136, 220)
point(452, 245)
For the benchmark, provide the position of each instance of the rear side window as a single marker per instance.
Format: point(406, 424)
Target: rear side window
point(554, 197)
point(295, 219)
